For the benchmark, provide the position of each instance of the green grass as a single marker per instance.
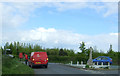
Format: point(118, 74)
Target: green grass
point(0, 61)
point(14, 66)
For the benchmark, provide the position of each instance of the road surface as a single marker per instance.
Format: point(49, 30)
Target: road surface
point(54, 68)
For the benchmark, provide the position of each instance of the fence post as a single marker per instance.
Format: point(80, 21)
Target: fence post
point(81, 62)
point(108, 65)
point(102, 63)
point(77, 63)
point(97, 63)
point(71, 62)
point(93, 63)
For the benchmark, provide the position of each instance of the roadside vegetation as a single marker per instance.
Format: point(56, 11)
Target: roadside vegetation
point(0, 61)
point(14, 66)
point(61, 55)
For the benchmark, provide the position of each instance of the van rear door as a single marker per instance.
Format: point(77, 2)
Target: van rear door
point(40, 57)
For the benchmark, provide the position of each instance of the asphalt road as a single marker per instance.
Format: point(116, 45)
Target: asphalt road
point(54, 68)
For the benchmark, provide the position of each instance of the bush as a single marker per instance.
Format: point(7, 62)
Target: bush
point(59, 59)
point(87, 66)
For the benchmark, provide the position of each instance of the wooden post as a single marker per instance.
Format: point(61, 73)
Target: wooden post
point(97, 63)
point(71, 62)
point(81, 62)
point(102, 63)
point(108, 65)
point(77, 63)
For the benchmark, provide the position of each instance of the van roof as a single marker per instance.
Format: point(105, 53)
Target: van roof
point(39, 52)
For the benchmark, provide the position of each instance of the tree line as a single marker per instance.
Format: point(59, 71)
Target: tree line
point(61, 55)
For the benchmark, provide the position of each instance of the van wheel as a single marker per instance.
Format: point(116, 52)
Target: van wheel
point(29, 65)
point(46, 66)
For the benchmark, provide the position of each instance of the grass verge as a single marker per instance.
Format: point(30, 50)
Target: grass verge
point(14, 66)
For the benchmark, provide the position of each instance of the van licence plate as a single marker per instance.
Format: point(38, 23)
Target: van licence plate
point(38, 62)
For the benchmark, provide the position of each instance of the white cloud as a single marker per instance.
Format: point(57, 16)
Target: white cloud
point(108, 8)
point(114, 34)
point(69, 6)
point(10, 18)
point(16, 14)
point(112, 8)
point(52, 37)
point(104, 8)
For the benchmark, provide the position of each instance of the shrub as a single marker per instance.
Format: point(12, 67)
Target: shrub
point(87, 66)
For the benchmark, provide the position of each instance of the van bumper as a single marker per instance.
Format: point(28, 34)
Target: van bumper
point(39, 64)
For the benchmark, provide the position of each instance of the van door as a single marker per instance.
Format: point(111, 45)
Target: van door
point(40, 57)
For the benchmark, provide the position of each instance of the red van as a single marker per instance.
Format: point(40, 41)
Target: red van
point(38, 58)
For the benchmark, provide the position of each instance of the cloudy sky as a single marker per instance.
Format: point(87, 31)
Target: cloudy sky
point(61, 24)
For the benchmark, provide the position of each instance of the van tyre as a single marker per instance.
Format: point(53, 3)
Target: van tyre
point(46, 66)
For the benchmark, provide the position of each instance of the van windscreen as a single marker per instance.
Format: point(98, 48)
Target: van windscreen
point(39, 55)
